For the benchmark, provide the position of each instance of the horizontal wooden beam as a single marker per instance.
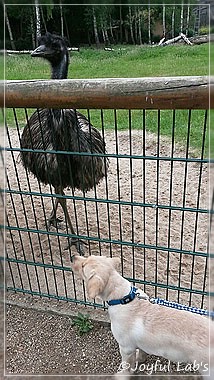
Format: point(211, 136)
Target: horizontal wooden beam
point(121, 93)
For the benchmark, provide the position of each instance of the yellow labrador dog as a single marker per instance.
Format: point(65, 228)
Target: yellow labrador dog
point(140, 326)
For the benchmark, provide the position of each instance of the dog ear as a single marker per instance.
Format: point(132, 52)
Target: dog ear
point(77, 263)
point(95, 285)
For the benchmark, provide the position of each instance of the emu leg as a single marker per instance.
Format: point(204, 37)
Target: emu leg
point(53, 220)
point(72, 241)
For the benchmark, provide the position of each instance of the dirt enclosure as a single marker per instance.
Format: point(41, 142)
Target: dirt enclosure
point(128, 180)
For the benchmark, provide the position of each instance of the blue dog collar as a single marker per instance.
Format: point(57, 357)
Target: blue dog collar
point(125, 299)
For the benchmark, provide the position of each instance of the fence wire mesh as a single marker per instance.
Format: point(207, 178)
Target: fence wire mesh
point(150, 209)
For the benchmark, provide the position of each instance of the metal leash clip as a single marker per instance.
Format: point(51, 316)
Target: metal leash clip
point(142, 297)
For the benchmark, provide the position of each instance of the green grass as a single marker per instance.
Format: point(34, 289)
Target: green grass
point(1, 67)
point(126, 62)
point(129, 63)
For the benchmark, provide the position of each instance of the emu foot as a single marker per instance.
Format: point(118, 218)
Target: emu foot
point(78, 244)
point(53, 221)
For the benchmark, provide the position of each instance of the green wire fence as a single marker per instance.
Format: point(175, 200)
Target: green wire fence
point(151, 209)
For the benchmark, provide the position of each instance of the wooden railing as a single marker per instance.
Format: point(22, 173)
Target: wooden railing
point(134, 93)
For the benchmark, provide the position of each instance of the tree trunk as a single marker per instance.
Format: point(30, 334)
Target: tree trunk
point(135, 24)
point(164, 20)
point(32, 32)
point(182, 18)
point(173, 22)
point(188, 17)
point(97, 41)
point(197, 40)
point(67, 31)
point(106, 36)
point(121, 25)
point(126, 32)
point(61, 19)
point(131, 26)
point(111, 30)
point(149, 24)
point(38, 21)
point(139, 27)
point(43, 19)
point(197, 21)
point(103, 32)
point(9, 30)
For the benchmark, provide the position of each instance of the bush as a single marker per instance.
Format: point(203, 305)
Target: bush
point(204, 30)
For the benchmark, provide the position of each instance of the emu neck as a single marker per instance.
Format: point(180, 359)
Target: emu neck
point(60, 70)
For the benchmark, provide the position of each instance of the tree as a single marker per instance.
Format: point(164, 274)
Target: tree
point(38, 20)
point(149, 24)
point(139, 14)
point(96, 35)
point(121, 24)
point(61, 18)
point(182, 18)
point(130, 22)
point(9, 29)
point(173, 22)
point(164, 20)
point(188, 19)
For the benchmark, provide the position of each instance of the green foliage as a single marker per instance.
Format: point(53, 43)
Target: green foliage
point(204, 30)
point(82, 323)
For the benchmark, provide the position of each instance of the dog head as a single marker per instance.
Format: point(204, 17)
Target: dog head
point(95, 271)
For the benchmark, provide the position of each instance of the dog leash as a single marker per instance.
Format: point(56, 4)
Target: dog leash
point(179, 306)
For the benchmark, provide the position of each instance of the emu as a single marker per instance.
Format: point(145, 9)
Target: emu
point(62, 130)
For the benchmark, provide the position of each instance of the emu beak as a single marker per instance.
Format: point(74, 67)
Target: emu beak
point(40, 51)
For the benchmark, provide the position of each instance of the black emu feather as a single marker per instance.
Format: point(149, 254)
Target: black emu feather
point(62, 130)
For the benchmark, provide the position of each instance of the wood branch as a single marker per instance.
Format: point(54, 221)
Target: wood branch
point(29, 51)
point(121, 93)
point(112, 49)
point(161, 41)
point(168, 42)
point(188, 42)
point(175, 39)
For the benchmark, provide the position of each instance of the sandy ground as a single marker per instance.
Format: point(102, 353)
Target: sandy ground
point(139, 182)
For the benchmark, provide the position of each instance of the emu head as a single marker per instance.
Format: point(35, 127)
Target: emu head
point(51, 46)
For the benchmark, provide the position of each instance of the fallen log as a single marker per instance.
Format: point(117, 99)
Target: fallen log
point(7, 51)
point(175, 39)
point(197, 40)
